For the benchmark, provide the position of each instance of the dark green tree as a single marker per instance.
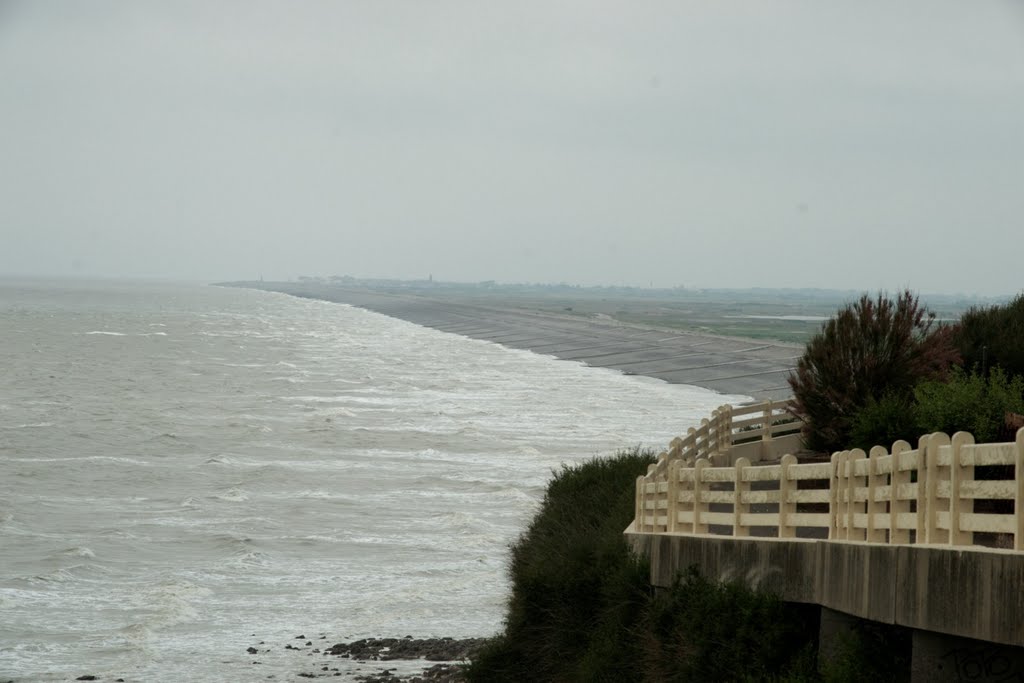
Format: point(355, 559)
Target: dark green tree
point(990, 337)
point(871, 349)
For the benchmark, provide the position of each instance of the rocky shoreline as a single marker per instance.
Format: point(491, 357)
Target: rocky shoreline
point(447, 654)
point(410, 660)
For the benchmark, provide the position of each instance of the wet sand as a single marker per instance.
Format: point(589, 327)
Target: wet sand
point(755, 368)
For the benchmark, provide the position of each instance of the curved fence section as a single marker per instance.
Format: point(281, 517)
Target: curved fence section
point(760, 431)
point(946, 491)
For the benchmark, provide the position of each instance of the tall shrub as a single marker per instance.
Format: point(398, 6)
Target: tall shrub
point(884, 421)
point(577, 590)
point(989, 337)
point(703, 630)
point(869, 349)
point(971, 403)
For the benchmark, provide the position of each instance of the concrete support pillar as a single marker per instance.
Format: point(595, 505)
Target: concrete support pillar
point(939, 657)
point(834, 633)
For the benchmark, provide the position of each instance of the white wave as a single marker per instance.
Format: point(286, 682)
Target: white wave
point(70, 574)
point(233, 495)
point(312, 494)
point(87, 458)
point(107, 333)
point(249, 559)
point(28, 425)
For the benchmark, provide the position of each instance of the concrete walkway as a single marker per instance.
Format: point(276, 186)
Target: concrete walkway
point(755, 368)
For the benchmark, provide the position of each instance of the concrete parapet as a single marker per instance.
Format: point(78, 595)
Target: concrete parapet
point(769, 564)
point(858, 579)
point(960, 592)
point(970, 593)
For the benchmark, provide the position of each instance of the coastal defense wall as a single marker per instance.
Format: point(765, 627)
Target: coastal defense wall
point(928, 538)
point(965, 605)
point(971, 593)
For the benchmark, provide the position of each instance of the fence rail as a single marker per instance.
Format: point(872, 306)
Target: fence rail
point(947, 491)
point(760, 431)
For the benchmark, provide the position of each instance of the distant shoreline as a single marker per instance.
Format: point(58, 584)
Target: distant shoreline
point(731, 365)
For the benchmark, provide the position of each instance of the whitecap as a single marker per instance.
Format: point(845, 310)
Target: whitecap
point(135, 633)
point(107, 333)
point(233, 495)
point(313, 494)
point(28, 425)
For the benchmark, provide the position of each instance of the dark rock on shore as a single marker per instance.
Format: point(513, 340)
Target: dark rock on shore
point(430, 649)
point(449, 653)
point(439, 673)
point(446, 650)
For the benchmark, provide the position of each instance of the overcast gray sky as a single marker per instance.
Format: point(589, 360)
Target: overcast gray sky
point(859, 145)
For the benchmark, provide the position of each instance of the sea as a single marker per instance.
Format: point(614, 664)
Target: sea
point(190, 471)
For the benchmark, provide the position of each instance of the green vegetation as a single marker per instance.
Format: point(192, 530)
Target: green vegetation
point(871, 651)
point(872, 353)
point(993, 336)
point(881, 371)
point(967, 402)
point(582, 608)
point(577, 593)
point(701, 630)
point(970, 402)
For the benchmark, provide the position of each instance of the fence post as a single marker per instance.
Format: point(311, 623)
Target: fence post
point(725, 437)
point(705, 426)
point(897, 506)
point(786, 487)
point(640, 504)
point(1018, 503)
point(957, 475)
point(834, 496)
point(671, 506)
point(766, 431)
point(932, 533)
point(875, 506)
point(739, 507)
point(922, 489)
point(699, 506)
point(691, 437)
point(852, 532)
point(675, 449)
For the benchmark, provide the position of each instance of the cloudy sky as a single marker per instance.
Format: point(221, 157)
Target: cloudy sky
point(859, 145)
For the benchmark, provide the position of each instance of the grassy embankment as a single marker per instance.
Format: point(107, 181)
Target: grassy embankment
point(582, 608)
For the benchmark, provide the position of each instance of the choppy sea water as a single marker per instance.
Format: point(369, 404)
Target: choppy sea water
point(186, 471)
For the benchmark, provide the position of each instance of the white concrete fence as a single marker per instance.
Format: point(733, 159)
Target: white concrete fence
point(944, 492)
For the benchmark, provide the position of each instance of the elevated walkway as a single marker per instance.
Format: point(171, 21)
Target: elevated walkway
point(930, 538)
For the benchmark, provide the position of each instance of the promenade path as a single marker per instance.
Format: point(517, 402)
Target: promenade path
point(755, 368)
